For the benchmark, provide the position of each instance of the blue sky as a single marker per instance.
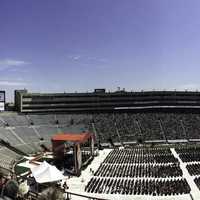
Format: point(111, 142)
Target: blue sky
point(79, 45)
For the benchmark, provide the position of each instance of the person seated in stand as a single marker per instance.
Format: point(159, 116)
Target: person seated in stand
point(52, 193)
point(10, 190)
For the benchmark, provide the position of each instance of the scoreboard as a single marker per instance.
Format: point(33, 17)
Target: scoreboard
point(2, 100)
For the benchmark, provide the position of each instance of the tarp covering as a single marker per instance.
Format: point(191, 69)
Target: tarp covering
point(45, 173)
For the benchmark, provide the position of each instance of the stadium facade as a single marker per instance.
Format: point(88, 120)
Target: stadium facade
point(100, 100)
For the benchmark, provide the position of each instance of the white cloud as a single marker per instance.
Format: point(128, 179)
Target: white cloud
point(10, 63)
point(102, 60)
point(74, 57)
point(12, 83)
point(88, 59)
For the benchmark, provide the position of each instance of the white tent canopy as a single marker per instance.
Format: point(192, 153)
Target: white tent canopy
point(45, 173)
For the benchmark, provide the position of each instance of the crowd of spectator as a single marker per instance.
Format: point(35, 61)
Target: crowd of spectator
point(147, 150)
point(139, 171)
point(147, 170)
point(188, 149)
point(197, 181)
point(8, 188)
point(193, 169)
point(137, 187)
point(149, 126)
point(121, 127)
point(129, 157)
point(190, 157)
point(189, 153)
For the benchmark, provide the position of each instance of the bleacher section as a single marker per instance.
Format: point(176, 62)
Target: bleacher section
point(6, 134)
point(7, 160)
point(42, 119)
point(148, 126)
point(21, 129)
point(28, 132)
point(47, 132)
point(15, 120)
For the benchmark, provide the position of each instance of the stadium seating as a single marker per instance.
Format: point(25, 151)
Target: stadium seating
point(15, 120)
point(28, 132)
point(192, 125)
point(47, 132)
point(130, 170)
point(7, 159)
point(105, 127)
point(149, 126)
point(137, 187)
point(73, 128)
point(121, 127)
point(7, 135)
point(42, 119)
